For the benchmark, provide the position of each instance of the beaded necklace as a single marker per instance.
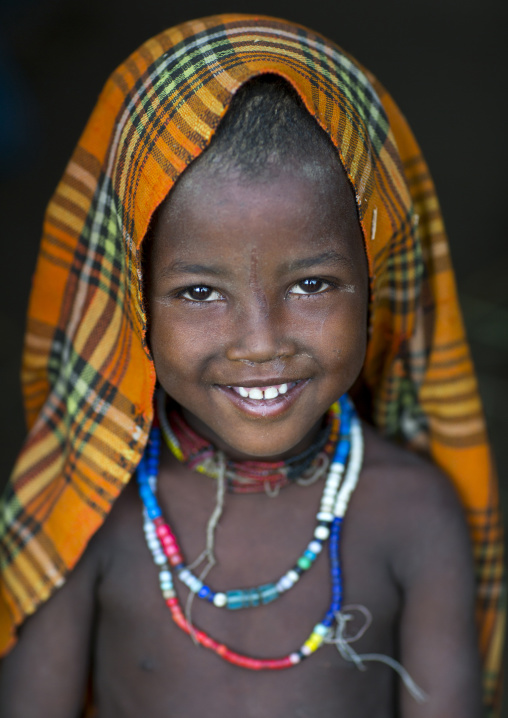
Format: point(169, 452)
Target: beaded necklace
point(166, 552)
point(246, 477)
point(252, 597)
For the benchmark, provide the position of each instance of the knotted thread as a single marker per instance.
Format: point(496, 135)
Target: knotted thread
point(342, 643)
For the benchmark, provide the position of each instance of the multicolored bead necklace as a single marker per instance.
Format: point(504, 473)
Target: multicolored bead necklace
point(247, 477)
point(252, 597)
point(167, 555)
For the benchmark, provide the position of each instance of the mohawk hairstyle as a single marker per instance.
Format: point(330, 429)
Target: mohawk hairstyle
point(265, 127)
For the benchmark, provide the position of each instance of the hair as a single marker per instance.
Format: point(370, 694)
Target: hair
point(266, 127)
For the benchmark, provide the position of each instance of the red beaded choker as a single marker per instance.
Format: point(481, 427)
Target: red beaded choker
point(247, 477)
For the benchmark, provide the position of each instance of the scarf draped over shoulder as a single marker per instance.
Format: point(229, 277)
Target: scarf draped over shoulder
point(87, 375)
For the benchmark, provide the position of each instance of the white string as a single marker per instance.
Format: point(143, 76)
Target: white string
point(342, 643)
point(314, 474)
point(272, 493)
point(208, 552)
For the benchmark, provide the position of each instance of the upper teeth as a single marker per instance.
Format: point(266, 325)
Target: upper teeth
point(267, 392)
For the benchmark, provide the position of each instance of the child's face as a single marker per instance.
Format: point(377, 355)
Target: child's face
point(258, 284)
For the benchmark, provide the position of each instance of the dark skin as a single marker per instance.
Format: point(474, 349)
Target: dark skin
point(246, 317)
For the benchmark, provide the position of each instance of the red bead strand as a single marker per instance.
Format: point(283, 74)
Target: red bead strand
point(255, 664)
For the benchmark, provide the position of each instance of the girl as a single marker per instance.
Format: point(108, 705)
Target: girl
point(296, 255)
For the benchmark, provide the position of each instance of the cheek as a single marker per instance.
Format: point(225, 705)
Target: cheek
point(338, 334)
point(180, 347)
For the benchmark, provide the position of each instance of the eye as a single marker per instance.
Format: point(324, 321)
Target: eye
point(312, 285)
point(201, 293)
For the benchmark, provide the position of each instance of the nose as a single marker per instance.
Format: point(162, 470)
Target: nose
point(259, 336)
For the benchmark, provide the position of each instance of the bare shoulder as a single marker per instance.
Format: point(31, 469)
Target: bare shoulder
point(405, 475)
point(420, 512)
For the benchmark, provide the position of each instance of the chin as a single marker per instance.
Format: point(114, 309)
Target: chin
point(268, 443)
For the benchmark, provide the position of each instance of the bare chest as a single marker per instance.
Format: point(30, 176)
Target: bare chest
point(145, 663)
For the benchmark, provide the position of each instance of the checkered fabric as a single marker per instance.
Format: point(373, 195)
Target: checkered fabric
point(87, 374)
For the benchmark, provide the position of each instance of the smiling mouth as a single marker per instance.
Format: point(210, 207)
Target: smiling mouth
point(264, 401)
point(264, 393)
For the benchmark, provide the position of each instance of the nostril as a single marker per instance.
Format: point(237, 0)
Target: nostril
point(257, 350)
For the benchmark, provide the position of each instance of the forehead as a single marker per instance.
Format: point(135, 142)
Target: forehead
point(303, 206)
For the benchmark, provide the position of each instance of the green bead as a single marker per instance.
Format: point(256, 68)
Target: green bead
point(304, 563)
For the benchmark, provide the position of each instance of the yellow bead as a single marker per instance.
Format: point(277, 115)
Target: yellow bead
point(177, 451)
point(313, 642)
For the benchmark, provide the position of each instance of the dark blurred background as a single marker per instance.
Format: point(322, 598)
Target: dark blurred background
point(444, 61)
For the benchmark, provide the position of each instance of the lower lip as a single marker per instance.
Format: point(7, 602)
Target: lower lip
point(265, 408)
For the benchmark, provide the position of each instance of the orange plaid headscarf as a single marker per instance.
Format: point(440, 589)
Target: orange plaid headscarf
point(88, 377)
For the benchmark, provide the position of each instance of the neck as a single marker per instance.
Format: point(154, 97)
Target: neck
point(248, 475)
point(202, 430)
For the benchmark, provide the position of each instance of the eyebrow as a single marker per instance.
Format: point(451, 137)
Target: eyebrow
point(329, 257)
point(179, 267)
